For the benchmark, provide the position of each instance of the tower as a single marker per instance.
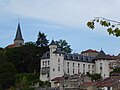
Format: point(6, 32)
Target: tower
point(18, 41)
point(56, 61)
point(102, 64)
point(52, 46)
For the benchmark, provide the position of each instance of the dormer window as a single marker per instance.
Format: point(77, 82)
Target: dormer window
point(77, 58)
point(66, 57)
point(47, 54)
point(71, 57)
point(82, 58)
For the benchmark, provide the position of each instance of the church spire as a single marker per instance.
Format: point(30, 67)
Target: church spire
point(18, 33)
point(18, 41)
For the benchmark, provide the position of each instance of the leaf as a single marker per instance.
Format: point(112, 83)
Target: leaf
point(97, 20)
point(110, 30)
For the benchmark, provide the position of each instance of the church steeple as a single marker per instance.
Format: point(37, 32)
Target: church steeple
point(18, 41)
point(18, 33)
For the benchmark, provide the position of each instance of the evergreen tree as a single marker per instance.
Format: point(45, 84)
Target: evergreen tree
point(41, 40)
point(63, 45)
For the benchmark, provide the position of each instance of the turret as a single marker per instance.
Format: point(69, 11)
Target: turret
point(52, 46)
point(18, 41)
point(102, 64)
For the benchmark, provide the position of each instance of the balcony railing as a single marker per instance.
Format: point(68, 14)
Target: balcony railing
point(45, 70)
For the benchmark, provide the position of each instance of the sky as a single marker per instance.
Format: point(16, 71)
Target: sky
point(60, 19)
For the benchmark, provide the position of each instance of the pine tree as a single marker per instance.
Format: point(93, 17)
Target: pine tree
point(41, 40)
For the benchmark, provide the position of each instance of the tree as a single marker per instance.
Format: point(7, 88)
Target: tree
point(63, 45)
point(112, 25)
point(2, 54)
point(7, 75)
point(94, 76)
point(41, 40)
point(116, 70)
point(26, 58)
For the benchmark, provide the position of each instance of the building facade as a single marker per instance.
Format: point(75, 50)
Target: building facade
point(55, 63)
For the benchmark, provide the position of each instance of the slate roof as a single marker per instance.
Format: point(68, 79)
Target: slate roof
point(46, 55)
point(18, 33)
point(58, 50)
point(53, 43)
point(72, 57)
point(101, 55)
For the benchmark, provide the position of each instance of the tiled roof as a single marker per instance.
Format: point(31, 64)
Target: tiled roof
point(57, 79)
point(90, 50)
point(87, 84)
point(11, 46)
point(108, 82)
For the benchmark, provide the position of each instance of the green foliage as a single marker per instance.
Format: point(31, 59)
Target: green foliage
point(116, 70)
point(2, 54)
point(25, 80)
point(112, 26)
point(44, 83)
point(41, 40)
point(63, 45)
point(26, 58)
point(94, 76)
point(7, 75)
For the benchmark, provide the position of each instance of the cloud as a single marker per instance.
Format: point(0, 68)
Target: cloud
point(63, 12)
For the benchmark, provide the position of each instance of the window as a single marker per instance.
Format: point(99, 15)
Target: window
point(59, 68)
point(78, 65)
point(58, 59)
point(59, 54)
point(73, 64)
point(47, 54)
point(83, 71)
point(77, 58)
point(71, 57)
point(66, 57)
point(48, 62)
point(100, 65)
point(83, 65)
point(53, 69)
point(89, 71)
point(92, 66)
point(92, 72)
point(43, 63)
point(82, 58)
point(88, 66)
point(68, 64)
point(73, 70)
point(68, 70)
point(78, 71)
point(48, 75)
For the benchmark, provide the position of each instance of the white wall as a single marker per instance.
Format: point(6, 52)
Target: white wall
point(102, 66)
point(56, 65)
point(77, 67)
